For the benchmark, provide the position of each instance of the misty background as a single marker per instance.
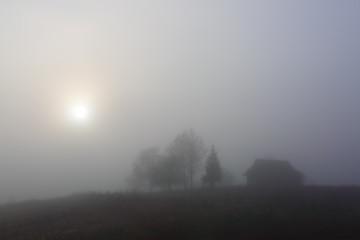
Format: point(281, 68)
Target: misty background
point(277, 79)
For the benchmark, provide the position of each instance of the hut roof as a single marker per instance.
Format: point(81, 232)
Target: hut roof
point(271, 167)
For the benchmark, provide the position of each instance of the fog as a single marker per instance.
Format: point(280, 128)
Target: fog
point(276, 79)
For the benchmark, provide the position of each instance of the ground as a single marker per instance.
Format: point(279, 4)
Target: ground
point(223, 213)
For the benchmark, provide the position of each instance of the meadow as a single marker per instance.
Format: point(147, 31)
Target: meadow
point(309, 212)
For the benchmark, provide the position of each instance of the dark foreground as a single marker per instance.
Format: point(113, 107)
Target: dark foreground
point(232, 213)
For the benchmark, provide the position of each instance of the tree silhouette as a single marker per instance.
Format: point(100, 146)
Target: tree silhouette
point(145, 168)
point(168, 172)
point(212, 169)
point(189, 150)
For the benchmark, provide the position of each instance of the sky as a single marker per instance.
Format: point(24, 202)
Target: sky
point(258, 79)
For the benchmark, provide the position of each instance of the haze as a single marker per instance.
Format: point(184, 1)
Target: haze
point(275, 79)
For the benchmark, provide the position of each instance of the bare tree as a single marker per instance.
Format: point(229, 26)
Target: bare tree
point(168, 172)
point(145, 167)
point(136, 180)
point(189, 149)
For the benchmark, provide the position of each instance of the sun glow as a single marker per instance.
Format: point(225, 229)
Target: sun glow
point(80, 112)
point(79, 96)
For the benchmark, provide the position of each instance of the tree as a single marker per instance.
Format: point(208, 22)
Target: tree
point(212, 169)
point(137, 179)
point(168, 172)
point(145, 168)
point(189, 150)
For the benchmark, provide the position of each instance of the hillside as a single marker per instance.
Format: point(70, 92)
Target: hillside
point(229, 213)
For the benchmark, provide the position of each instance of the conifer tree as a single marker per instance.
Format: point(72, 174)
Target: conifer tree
point(212, 169)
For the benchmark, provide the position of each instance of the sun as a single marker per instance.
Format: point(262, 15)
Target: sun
point(80, 112)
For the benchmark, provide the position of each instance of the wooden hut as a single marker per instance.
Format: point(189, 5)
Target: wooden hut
point(276, 173)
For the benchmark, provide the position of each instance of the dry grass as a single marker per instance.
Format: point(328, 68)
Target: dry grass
point(229, 213)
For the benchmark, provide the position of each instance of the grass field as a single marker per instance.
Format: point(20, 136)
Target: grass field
point(224, 213)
